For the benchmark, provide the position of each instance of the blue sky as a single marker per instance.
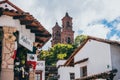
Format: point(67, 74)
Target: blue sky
point(99, 18)
point(113, 27)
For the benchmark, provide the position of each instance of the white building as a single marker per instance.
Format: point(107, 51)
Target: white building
point(95, 59)
point(64, 72)
point(40, 70)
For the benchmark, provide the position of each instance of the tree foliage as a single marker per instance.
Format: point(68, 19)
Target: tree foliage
point(58, 51)
point(79, 39)
point(61, 55)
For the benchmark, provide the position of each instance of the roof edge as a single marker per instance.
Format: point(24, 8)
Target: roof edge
point(89, 38)
point(11, 4)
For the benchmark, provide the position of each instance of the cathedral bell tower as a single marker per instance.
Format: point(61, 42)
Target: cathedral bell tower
point(56, 34)
point(64, 34)
point(67, 34)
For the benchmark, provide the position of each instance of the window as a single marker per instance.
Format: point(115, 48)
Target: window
point(57, 33)
point(37, 76)
point(72, 76)
point(68, 40)
point(83, 71)
point(62, 40)
point(68, 24)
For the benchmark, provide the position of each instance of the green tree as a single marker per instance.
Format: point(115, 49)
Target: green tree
point(44, 54)
point(79, 39)
point(58, 51)
point(61, 56)
point(62, 49)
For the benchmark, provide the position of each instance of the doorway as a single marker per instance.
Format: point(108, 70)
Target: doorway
point(38, 75)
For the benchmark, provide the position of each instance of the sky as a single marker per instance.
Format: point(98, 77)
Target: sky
point(98, 18)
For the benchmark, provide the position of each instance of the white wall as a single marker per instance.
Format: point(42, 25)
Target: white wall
point(9, 21)
point(115, 51)
point(60, 62)
point(99, 57)
point(64, 73)
point(41, 66)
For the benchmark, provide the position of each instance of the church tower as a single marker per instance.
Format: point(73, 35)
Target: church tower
point(67, 34)
point(56, 34)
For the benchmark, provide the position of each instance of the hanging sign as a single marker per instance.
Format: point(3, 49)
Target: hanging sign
point(32, 60)
point(31, 57)
point(25, 41)
point(40, 65)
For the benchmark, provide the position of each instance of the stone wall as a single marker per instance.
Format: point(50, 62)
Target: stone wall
point(8, 47)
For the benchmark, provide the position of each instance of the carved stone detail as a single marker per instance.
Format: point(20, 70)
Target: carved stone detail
point(8, 47)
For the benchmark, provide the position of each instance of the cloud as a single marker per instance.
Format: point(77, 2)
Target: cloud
point(105, 13)
point(96, 30)
point(115, 37)
point(118, 26)
point(113, 26)
point(84, 13)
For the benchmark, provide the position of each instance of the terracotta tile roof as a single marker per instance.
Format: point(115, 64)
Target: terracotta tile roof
point(103, 75)
point(14, 6)
point(25, 18)
point(69, 60)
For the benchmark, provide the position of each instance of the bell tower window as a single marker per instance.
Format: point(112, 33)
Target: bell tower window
point(68, 24)
point(57, 33)
point(68, 40)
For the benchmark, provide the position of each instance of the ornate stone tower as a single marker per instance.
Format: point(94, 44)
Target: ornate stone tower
point(56, 34)
point(67, 34)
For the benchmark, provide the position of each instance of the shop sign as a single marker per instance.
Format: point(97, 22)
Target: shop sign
point(25, 41)
point(40, 65)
